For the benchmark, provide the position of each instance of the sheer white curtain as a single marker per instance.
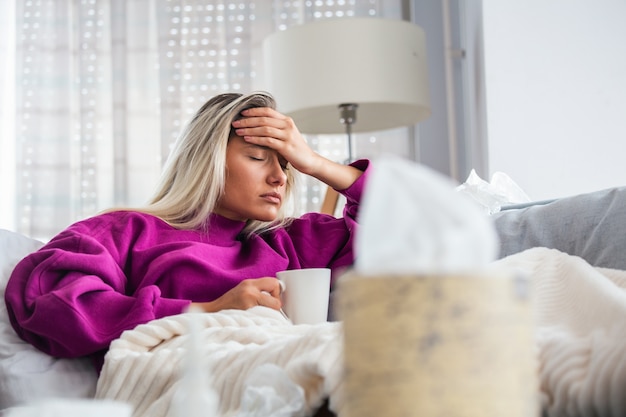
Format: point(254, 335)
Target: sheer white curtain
point(7, 114)
point(103, 88)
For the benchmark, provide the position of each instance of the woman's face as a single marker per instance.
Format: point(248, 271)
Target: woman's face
point(255, 182)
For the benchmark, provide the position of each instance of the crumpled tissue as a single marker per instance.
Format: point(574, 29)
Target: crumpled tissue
point(492, 195)
point(270, 392)
point(412, 220)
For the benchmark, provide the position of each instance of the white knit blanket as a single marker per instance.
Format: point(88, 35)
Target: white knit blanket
point(581, 336)
point(581, 333)
point(143, 367)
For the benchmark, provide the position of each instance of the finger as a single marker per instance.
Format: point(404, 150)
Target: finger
point(268, 300)
point(260, 132)
point(264, 121)
point(278, 289)
point(268, 142)
point(269, 285)
point(262, 111)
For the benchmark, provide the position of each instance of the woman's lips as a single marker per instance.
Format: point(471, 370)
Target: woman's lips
point(273, 198)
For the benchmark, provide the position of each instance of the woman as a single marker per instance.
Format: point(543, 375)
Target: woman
point(214, 235)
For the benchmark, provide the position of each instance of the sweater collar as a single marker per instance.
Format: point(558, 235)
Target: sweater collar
point(223, 229)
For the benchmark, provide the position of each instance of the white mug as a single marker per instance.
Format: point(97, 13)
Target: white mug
point(305, 294)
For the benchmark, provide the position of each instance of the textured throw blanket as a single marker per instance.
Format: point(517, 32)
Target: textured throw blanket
point(145, 366)
point(581, 333)
point(581, 339)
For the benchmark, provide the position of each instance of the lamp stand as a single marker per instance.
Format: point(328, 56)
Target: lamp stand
point(347, 116)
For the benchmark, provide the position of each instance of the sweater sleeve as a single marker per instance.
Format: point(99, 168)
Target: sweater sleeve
point(355, 191)
point(71, 298)
point(321, 240)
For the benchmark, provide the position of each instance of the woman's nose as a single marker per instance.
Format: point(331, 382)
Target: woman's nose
point(278, 175)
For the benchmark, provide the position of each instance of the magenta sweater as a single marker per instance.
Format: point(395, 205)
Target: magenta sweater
point(111, 272)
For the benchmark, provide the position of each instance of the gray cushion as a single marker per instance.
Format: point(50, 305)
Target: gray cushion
point(591, 226)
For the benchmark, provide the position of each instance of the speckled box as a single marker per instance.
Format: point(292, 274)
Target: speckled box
point(435, 346)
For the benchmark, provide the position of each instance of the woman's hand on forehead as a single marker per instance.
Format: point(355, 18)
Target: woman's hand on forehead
point(267, 127)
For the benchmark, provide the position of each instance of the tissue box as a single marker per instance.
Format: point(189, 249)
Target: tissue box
point(438, 346)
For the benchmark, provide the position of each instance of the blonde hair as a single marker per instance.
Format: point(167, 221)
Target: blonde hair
point(194, 175)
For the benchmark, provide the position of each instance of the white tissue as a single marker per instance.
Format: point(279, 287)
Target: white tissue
point(493, 195)
point(270, 392)
point(413, 221)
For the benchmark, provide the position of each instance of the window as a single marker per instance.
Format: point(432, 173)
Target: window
point(104, 88)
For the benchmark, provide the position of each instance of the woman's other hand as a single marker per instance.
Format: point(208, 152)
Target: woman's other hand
point(248, 293)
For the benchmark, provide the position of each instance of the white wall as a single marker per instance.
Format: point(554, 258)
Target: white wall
point(556, 93)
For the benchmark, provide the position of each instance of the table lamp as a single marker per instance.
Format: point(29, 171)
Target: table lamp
point(349, 75)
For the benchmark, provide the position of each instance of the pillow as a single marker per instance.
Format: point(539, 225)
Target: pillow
point(27, 374)
point(591, 226)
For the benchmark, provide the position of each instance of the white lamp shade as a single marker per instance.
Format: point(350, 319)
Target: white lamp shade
point(379, 64)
